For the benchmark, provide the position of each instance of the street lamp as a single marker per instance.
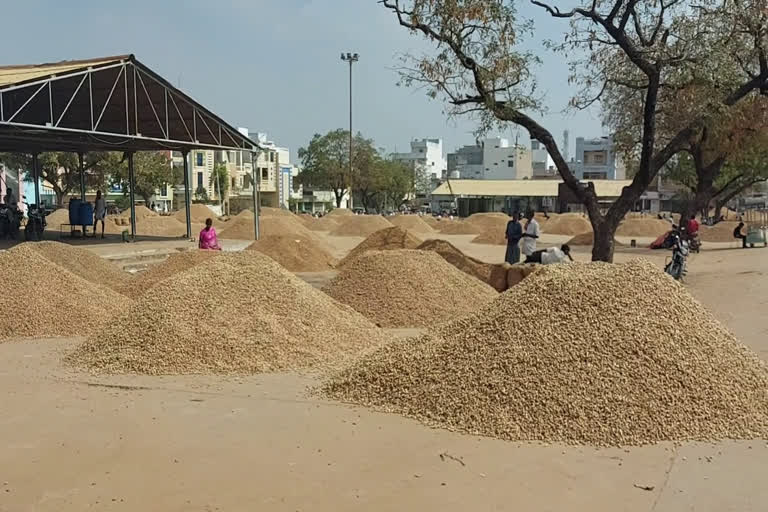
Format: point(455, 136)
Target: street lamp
point(351, 58)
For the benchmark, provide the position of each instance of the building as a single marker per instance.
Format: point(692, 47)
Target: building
point(473, 196)
point(466, 162)
point(491, 159)
point(427, 160)
point(596, 159)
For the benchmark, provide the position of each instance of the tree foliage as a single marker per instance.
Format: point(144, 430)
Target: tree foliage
point(62, 170)
point(325, 162)
point(219, 178)
point(152, 171)
point(640, 48)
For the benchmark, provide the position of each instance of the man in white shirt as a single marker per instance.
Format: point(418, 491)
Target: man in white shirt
point(531, 232)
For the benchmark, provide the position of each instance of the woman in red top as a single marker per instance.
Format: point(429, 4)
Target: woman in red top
point(208, 239)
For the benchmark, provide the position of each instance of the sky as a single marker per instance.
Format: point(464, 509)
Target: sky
point(274, 65)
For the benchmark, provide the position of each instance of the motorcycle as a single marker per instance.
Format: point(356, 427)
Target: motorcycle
point(10, 221)
point(33, 231)
point(676, 267)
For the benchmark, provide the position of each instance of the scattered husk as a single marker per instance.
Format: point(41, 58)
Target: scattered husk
point(590, 359)
point(295, 253)
point(383, 240)
point(62, 303)
point(238, 313)
point(407, 288)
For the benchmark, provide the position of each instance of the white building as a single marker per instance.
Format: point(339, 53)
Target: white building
point(492, 159)
point(596, 159)
point(426, 158)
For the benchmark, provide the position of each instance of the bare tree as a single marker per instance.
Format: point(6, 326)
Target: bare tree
point(640, 46)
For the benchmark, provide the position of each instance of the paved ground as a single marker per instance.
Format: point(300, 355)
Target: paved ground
point(74, 442)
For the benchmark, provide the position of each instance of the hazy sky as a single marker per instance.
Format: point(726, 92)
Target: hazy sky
point(273, 65)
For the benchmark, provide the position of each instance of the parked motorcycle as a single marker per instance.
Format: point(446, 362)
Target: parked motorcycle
point(676, 267)
point(33, 231)
point(10, 221)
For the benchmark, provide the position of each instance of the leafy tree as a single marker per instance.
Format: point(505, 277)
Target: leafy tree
point(325, 162)
point(643, 47)
point(152, 170)
point(62, 170)
point(201, 194)
point(396, 182)
point(219, 177)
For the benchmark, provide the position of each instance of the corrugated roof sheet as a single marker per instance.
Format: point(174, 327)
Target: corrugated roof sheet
point(19, 74)
point(522, 188)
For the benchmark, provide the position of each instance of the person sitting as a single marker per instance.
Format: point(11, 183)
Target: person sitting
point(692, 228)
point(738, 234)
point(208, 239)
point(550, 256)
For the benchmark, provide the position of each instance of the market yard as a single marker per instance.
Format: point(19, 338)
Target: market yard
point(221, 381)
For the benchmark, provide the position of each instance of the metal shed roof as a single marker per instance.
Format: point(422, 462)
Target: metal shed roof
point(522, 188)
point(109, 103)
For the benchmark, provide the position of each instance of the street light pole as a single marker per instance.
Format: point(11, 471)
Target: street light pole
point(351, 58)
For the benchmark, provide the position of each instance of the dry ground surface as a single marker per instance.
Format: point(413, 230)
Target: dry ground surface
point(75, 442)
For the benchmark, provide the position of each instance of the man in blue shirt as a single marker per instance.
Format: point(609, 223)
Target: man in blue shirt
point(513, 236)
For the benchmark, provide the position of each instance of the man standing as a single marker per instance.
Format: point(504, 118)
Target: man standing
point(99, 212)
point(531, 233)
point(513, 236)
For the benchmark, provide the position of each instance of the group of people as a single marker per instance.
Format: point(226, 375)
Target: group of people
point(522, 239)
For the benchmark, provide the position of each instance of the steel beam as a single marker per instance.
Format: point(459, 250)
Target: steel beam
point(132, 180)
point(187, 196)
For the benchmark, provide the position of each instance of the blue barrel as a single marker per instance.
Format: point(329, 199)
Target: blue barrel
point(85, 214)
point(74, 211)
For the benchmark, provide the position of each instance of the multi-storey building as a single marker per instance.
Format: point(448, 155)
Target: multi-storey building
point(491, 159)
point(596, 159)
point(427, 160)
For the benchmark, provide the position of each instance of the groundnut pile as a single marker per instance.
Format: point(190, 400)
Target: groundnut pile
point(383, 240)
point(582, 353)
point(407, 288)
point(237, 313)
point(51, 301)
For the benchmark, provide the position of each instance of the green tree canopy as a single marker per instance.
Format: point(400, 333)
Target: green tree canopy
point(325, 162)
point(62, 170)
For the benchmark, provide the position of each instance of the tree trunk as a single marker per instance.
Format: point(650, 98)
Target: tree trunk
point(59, 197)
point(603, 246)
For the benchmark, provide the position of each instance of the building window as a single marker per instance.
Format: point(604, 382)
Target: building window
point(199, 159)
point(164, 190)
point(199, 177)
point(264, 173)
point(511, 163)
point(233, 183)
point(271, 157)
